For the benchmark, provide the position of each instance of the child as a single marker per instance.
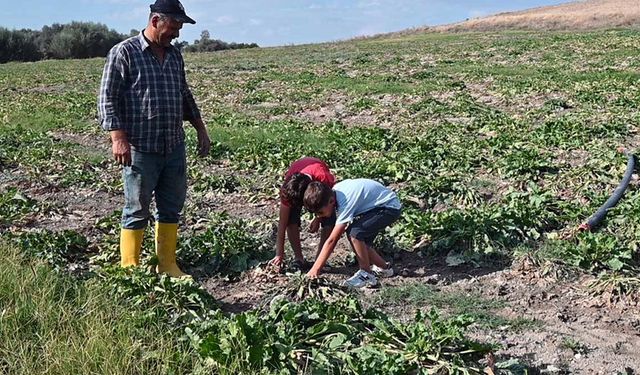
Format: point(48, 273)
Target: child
point(298, 176)
point(364, 208)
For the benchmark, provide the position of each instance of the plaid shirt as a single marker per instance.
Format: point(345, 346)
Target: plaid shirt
point(147, 100)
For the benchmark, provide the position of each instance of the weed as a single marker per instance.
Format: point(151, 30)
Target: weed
point(481, 310)
point(574, 345)
point(619, 284)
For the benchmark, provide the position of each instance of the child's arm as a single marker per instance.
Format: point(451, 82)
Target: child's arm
point(327, 249)
point(282, 229)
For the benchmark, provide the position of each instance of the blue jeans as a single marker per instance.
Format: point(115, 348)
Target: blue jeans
point(164, 175)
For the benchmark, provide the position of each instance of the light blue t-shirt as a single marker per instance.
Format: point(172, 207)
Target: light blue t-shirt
point(357, 196)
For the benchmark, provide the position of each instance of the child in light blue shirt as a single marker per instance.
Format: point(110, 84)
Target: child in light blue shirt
point(363, 208)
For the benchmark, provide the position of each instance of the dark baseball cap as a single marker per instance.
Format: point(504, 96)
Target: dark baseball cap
point(173, 9)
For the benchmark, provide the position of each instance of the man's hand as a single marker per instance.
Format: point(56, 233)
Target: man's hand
point(120, 147)
point(204, 143)
point(315, 225)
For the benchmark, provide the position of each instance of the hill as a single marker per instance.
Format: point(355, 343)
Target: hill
point(578, 15)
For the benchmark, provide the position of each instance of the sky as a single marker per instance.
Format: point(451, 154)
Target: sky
point(266, 22)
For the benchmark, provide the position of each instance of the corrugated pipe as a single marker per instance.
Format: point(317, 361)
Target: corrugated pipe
point(596, 218)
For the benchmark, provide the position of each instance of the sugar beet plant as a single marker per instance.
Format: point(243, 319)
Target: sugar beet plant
point(64, 251)
point(226, 245)
point(179, 302)
point(14, 206)
point(338, 337)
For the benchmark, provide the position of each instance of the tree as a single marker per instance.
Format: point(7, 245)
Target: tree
point(46, 35)
point(83, 40)
point(206, 44)
point(18, 46)
point(180, 45)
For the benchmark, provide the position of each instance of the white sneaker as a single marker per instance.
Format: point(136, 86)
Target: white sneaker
point(382, 272)
point(361, 279)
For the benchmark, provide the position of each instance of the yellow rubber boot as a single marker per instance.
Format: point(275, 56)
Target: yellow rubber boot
point(130, 245)
point(166, 241)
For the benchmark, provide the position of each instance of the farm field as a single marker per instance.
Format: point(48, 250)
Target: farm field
point(499, 145)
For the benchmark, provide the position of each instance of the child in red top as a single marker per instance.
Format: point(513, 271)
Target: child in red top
point(300, 173)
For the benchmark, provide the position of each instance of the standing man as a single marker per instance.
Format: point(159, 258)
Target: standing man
point(143, 100)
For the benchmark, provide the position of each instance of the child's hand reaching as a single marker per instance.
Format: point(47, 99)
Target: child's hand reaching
point(315, 225)
point(313, 273)
point(277, 262)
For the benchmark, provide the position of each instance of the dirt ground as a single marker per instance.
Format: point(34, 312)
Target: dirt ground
point(579, 332)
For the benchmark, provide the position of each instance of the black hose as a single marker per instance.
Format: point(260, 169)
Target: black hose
point(596, 218)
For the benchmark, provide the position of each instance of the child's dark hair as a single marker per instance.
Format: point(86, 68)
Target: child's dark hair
point(317, 196)
point(294, 187)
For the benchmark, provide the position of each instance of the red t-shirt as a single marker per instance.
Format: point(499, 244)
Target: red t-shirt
point(315, 168)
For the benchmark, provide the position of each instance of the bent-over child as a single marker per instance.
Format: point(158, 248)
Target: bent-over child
point(299, 175)
point(363, 208)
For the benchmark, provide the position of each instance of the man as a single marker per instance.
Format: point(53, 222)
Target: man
point(143, 101)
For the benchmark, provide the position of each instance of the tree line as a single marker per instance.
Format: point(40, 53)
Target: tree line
point(78, 40)
point(206, 44)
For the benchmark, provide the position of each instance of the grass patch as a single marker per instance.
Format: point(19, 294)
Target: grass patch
point(483, 311)
point(54, 324)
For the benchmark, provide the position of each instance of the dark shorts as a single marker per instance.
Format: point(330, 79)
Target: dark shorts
point(366, 226)
point(295, 217)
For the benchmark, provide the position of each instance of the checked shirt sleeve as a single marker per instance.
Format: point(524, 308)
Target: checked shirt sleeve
point(190, 109)
point(111, 90)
